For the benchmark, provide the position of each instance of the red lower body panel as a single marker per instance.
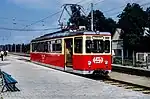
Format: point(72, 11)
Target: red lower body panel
point(92, 62)
point(51, 59)
point(80, 62)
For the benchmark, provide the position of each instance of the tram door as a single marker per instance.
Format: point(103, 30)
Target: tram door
point(68, 52)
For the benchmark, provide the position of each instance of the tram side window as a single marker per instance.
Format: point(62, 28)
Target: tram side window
point(89, 46)
point(50, 50)
point(107, 46)
point(95, 46)
point(78, 45)
point(37, 47)
point(98, 46)
point(45, 46)
point(57, 47)
point(40, 47)
point(34, 47)
point(53, 47)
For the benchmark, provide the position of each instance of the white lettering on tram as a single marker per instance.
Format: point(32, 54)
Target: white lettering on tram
point(43, 57)
point(98, 60)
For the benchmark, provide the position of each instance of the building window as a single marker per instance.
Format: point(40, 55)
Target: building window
point(78, 44)
point(117, 52)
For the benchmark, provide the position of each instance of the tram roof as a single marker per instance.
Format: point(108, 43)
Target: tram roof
point(64, 33)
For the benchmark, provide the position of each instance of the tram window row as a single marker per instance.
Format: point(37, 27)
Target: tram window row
point(48, 46)
point(91, 46)
point(97, 46)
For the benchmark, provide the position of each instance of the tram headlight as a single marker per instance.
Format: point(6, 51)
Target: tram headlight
point(89, 63)
point(106, 62)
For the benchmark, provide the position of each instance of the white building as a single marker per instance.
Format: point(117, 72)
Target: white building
point(117, 43)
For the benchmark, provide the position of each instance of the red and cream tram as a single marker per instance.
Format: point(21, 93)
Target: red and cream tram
point(77, 52)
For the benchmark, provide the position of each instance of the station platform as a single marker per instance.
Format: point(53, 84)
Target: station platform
point(131, 70)
point(38, 82)
point(133, 79)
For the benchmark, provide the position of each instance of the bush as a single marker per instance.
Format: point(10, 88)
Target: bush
point(128, 62)
point(117, 60)
point(138, 64)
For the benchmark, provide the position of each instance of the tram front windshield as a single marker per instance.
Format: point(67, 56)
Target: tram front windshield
point(97, 46)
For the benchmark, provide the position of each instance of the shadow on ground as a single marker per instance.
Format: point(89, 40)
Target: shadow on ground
point(4, 64)
point(23, 59)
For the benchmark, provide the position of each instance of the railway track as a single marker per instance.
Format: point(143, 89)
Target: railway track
point(115, 82)
point(126, 85)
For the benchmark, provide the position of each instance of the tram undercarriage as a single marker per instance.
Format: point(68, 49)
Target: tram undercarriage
point(101, 72)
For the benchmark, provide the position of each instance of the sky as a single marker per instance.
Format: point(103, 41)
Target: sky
point(17, 14)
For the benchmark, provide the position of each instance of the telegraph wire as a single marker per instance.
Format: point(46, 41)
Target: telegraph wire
point(106, 11)
point(80, 1)
point(100, 1)
point(20, 20)
point(142, 5)
point(58, 13)
point(14, 29)
point(38, 20)
point(44, 18)
point(48, 16)
point(41, 20)
point(110, 10)
point(34, 22)
point(145, 4)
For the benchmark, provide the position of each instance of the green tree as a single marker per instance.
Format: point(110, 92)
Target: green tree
point(101, 23)
point(98, 21)
point(111, 25)
point(77, 19)
point(132, 21)
point(146, 39)
point(148, 19)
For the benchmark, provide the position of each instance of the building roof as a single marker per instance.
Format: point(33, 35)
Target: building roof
point(146, 31)
point(116, 35)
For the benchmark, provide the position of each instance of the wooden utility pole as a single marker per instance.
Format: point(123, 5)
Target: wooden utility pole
point(92, 17)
